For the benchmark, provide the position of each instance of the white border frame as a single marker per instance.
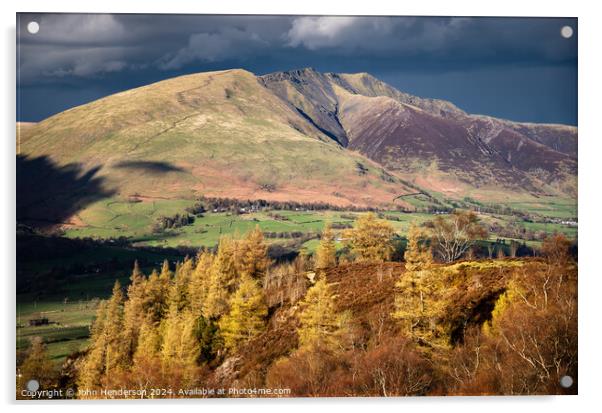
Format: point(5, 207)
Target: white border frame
point(590, 143)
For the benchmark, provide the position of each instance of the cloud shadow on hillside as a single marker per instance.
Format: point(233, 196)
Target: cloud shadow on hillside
point(48, 194)
point(151, 167)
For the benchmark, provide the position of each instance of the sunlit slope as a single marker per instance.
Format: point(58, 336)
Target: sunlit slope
point(216, 134)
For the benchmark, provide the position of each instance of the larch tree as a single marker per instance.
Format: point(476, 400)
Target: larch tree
point(157, 296)
point(149, 342)
point(417, 303)
point(253, 260)
point(180, 350)
point(371, 239)
point(147, 362)
point(108, 350)
point(326, 253)
point(180, 344)
point(37, 365)
point(223, 279)
point(246, 318)
point(116, 352)
point(92, 368)
point(179, 289)
point(166, 275)
point(199, 282)
point(134, 310)
point(320, 324)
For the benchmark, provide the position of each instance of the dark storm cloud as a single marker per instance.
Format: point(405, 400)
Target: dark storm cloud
point(81, 57)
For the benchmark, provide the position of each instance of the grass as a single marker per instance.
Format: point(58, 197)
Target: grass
point(213, 143)
point(68, 333)
point(70, 313)
point(552, 207)
point(113, 218)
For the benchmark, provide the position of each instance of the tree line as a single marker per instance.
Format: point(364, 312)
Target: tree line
point(238, 206)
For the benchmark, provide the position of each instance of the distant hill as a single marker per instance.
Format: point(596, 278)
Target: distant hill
point(343, 139)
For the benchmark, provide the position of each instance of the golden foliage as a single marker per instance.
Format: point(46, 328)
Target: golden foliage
point(37, 366)
point(326, 253)
point(419, 303)
point(320, 324)
point(247, 314)
point(223, 278)
point(253, 253)
point(370, 240)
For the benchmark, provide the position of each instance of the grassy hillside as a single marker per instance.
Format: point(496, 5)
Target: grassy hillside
point(341, 139)
point(216, 134)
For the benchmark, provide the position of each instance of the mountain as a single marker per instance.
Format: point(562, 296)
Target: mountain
point(344, 139)
point(219, 134)
point(432, 142)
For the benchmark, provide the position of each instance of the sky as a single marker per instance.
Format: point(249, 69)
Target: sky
point(521, 69)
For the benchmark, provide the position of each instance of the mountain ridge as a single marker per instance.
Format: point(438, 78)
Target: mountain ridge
point(342, 139)
point(524, 155)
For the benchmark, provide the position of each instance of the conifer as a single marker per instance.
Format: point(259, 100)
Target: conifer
point(247, 314)
point(199, 282)
point(223, 279)
point(326, 252)
point(37, 366)
point(321, 325)
point(157, 292)
point(418, 303)
point(371, 238)
point(254, 254)
point(180, 344)
point(135, 309)
point(179, 289)
point(108, 350)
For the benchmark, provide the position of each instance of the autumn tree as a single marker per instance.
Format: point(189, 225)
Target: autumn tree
point(533, 329)
point(149, 344)
point(371, 238)
point(180, 286)
point(223, 279)
point(157, 296)
point(108, 351)
point(147, 361)
point(417, 256)
point(455, 233)
point(253, 255)
point(556, 249)
point(199, 282)
point(417, 302)
point(166, 273)
point(134, 310)
point(179, 339)
point(247, 314)
point(36, 366)
point(320, 323)
point(326, 252)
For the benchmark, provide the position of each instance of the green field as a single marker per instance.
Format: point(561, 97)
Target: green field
point(114, 218)
point(69, 312)
point(552, 207)
point(134, 220)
